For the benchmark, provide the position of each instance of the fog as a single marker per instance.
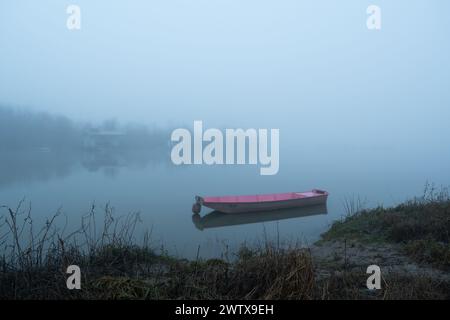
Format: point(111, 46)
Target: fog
point(23, 130)
point(86, 115)
point(41, 146)
point(240, 63)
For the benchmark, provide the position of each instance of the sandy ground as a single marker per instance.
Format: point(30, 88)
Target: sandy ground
point(341, 256)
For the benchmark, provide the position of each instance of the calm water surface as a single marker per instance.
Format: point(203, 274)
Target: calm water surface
point(164, 193)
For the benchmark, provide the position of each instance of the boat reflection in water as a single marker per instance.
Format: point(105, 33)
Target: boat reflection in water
point(217, 219)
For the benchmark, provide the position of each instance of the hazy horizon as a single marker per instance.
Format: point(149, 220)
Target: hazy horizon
point(253, 63)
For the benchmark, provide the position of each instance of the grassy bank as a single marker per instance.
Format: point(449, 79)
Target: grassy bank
point(420, 228)
point(115, 265)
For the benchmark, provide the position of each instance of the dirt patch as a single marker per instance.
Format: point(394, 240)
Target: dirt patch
point(339, 256)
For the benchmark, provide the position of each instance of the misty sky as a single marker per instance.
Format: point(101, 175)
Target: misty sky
point(230, 62)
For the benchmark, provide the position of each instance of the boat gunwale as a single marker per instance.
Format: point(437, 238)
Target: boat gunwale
point(206, 203)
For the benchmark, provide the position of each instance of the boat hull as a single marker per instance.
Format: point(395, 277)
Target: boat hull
point(228, 206)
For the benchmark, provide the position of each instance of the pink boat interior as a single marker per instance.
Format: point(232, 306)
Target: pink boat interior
point(265, 197)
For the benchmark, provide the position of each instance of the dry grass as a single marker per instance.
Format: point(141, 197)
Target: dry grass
point(114, 266)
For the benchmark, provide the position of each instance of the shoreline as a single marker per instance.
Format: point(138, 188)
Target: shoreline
point(409, 242)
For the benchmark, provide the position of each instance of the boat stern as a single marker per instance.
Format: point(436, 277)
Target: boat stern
point(197, 206)
point(199, 200)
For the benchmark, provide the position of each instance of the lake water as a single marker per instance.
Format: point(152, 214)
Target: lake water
point(377, 173)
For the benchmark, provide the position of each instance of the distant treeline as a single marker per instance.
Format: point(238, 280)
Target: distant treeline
point(23, 130)
point(38, 146)
point(37, 130)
